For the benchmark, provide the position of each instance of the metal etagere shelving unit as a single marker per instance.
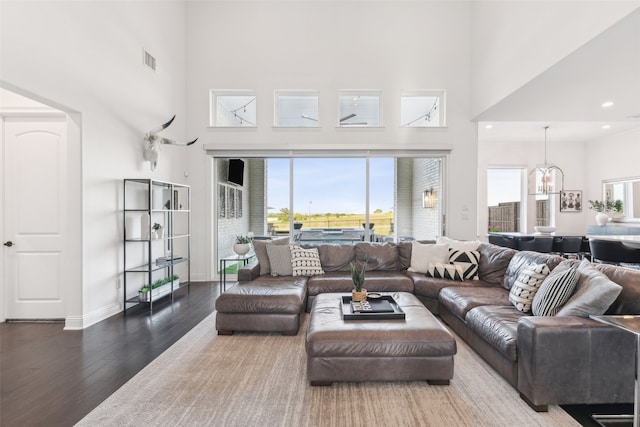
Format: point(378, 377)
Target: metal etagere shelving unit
point(156, 240)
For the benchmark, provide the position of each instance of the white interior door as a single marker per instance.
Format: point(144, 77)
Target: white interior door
point(35, 214)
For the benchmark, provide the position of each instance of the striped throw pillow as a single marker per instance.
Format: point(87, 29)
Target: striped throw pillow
point(554, 292)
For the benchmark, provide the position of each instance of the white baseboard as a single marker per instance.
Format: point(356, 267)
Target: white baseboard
point(84, 321)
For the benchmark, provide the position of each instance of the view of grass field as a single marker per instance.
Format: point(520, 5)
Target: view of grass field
point(383, 221)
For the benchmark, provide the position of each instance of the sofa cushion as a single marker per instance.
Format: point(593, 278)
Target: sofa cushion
point(497, 325)
point(265, 294)
point(378, 256)
point(423, 254)
point(260, 248)
point(522, 259)
point(555, 291)
point(445, 271)
point(279, 260)
point(628, 302)
point(305, 262)
point(430, 287)
point(336, 257)
point(493, 263)
point(459, 300)
point(526, 286)
point(375, 281)
point(468, 260)
point(593, 295)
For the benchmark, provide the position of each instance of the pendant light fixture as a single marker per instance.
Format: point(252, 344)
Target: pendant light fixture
point(547, 178)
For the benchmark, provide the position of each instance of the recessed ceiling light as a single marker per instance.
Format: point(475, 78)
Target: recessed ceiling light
point(488, 126)
point(607, 104)
point(606, 126)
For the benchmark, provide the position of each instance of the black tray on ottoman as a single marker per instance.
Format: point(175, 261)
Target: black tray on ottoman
point(379, 309)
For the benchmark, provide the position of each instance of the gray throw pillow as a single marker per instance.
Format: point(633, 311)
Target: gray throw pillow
point(260, 248)
point(279, 260)
point(594, 293)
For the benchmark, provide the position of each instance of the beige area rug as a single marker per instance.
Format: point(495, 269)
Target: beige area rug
point(260, 380)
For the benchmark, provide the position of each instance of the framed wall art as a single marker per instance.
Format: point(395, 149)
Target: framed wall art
point(571, 201)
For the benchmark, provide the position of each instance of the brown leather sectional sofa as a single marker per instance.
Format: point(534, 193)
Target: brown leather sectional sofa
point(549, 360)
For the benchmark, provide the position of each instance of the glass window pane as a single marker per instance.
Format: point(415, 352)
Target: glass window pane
point(233, 108)
point(360, 109)
point(294, 109)
point(278, 214)
point(504, 199)
point(381, 198)
point(422, 109)
point(331, 209)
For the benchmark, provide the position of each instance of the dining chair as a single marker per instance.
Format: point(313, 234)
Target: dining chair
point(613, 252)
point(505, 241)
point(536, 244)
point(567, 246)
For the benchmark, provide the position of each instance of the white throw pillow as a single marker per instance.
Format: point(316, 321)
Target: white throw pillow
point(459, 245)
point(526, 286)
point(424, 253)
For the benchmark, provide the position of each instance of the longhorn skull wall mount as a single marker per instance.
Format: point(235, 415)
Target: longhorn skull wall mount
point(152, 143)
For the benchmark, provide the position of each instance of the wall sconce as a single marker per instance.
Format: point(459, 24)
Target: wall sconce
point(429, 198)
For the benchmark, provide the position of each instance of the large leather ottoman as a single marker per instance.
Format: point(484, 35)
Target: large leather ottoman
point(272, 304)
point(415, 348)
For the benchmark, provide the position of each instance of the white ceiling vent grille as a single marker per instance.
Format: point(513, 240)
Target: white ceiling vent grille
point(149, 60)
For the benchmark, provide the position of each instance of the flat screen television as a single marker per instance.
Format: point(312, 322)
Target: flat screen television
point(236, 171)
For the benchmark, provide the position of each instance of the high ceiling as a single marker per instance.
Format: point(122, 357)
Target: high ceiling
point(569, 96)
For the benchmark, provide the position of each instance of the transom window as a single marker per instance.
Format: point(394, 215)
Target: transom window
point(233, 108)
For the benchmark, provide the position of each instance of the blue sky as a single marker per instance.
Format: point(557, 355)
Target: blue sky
point(330, 185)
point(503, 185)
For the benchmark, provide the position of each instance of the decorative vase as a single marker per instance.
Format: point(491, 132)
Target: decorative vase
point(241, 248)
point(359, 296)
point(602, 218)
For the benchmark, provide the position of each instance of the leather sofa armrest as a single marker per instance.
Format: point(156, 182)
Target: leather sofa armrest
point(565, 360)
point(249, 272)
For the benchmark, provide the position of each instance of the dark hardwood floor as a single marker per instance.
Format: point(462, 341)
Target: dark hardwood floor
point(52, 377)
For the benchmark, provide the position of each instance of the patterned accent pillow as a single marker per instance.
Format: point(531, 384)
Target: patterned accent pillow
point(468, 260)
point(445, 271)
point(554, 292)
point(305, 262)
point(526, 286)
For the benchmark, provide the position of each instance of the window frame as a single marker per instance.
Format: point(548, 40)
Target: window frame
point(310, 93)
point(421, 93)
point(359, 93)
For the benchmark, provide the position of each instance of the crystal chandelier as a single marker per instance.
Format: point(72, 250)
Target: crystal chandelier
point(543, 178)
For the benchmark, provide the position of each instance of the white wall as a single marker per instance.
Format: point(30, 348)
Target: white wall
point(329, 46)
point(87, 57)
point(613, 157)
point(570, 157)
point(515, 41)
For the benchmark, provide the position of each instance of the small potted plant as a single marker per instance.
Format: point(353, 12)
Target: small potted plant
point(242, 244)
point(359, 293)
point(603, 208)
point(158, 231)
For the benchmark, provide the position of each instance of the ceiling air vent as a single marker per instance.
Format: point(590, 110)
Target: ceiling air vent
point(149, 60)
